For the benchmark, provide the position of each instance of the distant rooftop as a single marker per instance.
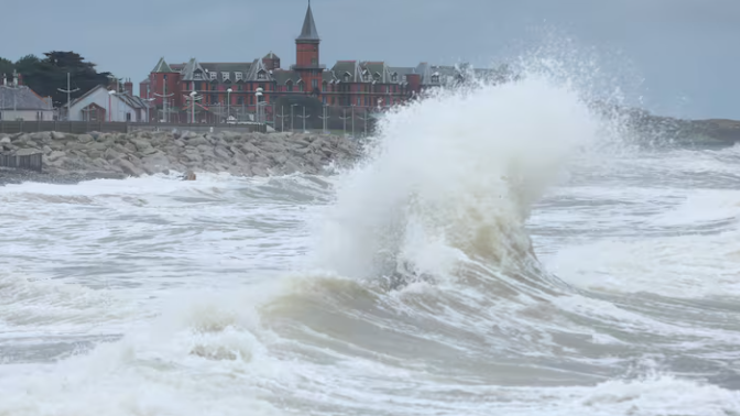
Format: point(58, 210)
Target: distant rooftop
point(21, 98)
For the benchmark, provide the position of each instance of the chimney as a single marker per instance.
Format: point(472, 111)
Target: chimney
point(128, 87)
point(20, 79)
point(15, 78)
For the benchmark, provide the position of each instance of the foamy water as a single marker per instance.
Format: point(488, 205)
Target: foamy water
point(478, 263)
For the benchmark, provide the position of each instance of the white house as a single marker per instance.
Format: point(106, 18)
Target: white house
point(101, 104)
point(18, 102)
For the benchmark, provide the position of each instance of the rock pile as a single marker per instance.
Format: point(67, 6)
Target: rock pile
point(134, 154)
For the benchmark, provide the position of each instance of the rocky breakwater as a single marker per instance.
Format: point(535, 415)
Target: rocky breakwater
point(73, 157)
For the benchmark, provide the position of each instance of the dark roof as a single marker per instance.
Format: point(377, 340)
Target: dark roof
point(309, 31)
point(21, 98)
point(271, 55)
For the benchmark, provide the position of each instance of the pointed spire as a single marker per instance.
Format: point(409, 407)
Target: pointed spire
point(309, 32)
point(162, 67)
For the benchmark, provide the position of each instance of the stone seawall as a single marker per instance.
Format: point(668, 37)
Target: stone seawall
point(71, 157)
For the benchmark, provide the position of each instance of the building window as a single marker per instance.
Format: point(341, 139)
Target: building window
point(197, 74)
point(289, 86)
point(314, 84)
point(198, 86)
point(314, 61)
point(251, 99)
point(214, 99)
point(359, 102)
point(128, 116)
point(300, 85)
point(261, 75)
point(238, 76)
point(394, 77)
point(346, 77)
point(323, 86)
point(225, 76)
point(435, 79)
point(212, 75)
point(240, 100)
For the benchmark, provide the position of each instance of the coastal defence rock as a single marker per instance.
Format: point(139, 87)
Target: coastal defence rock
point(134, 154)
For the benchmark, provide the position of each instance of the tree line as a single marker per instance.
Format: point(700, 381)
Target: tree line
point(45, 75)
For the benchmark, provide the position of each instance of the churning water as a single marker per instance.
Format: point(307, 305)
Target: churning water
point(501, 251)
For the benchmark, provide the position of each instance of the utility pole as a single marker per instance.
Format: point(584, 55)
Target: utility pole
point(344, 121)
point(324, 118)
point(68, 91)
point(304, 117)
point(164, 97)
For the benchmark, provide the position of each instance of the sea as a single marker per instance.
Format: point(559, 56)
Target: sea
point(500, 250)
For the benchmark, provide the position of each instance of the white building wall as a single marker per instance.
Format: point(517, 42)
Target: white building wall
point(26, 115)
point(116, 107)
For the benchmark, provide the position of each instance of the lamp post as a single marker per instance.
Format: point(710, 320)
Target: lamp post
point(111, 93)
point(193, 99)
point(164, 97)
point(258, 95)
point(228, 104)
point(68, 91)
point(148, 107)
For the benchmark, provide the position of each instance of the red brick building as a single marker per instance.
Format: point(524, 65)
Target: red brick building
point(352, 83)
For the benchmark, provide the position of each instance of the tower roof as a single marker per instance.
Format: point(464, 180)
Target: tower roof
point(309, 32)
point(162, 67)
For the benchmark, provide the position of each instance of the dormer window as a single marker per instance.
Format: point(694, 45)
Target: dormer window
point(238, 76)
point(394, 77)
point(435, 78)
point(225, 76)
point(365, 76)
point(346, 77)
point(261, 75)
point(213, 75)
point(197, 74)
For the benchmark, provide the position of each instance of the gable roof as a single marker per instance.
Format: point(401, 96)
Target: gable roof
point(309, 32)
point(21, 98)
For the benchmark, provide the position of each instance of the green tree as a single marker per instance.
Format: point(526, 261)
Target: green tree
point(45, 76)
point(6, 69)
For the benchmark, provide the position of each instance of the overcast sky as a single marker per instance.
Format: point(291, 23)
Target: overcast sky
point(681, 56)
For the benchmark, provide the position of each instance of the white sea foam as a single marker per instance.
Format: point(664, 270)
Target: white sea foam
point(198, 297)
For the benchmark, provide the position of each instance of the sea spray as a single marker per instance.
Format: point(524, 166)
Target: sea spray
point(454, 174)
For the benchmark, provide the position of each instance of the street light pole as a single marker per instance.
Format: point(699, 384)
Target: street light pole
point(228, 104)
point(164, 97)
point(193, 99)
point(304, 117)
point(68, 91)
point(258, 95)
point(111, 93)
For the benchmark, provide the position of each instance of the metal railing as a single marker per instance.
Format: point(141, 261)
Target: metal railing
point(80, 127)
